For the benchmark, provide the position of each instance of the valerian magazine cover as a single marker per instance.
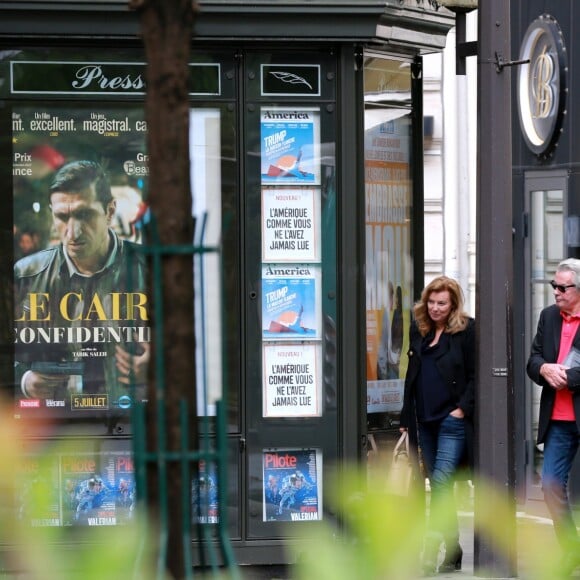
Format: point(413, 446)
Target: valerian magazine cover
point(292, 485)
point(37, 492)
point(205, 494)
point(82, 329)
point(97, 489)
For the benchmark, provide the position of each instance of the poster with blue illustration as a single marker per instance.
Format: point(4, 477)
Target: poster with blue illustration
point(292, 485)
point(97, 489)
point(290, 302)
point(290, 146)
point(204, 493)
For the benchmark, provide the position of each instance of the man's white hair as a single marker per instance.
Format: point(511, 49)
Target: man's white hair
point(571, 265)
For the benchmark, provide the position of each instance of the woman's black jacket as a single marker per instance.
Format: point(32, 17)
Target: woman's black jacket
point(456, 364)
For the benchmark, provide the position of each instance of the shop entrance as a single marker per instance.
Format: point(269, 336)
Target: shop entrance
point(545, 195)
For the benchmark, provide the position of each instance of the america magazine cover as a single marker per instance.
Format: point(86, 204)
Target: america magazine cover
point(291, 301)
point(290, 146)
point(81, 329)
point(292, 485)
point(97, 489)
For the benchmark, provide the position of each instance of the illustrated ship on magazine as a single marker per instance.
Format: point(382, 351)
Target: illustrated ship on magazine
point(289, 166)
point(289, 322)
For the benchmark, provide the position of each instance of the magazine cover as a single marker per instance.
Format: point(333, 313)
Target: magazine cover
point(81, 314)
point(37, 492)
point(97, 489)
point(292, 380)
point(292, 485)
point(205, 495)
point(291, 301)
point(124, 487)
point(290, 225)
point(290, 146)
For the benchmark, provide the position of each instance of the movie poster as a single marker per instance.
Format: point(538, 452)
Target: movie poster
point(292, 380)
point(290, 225)
point(81, 333)
point(291, 302)
point(97, 489)
point(388, 264)
point(292, 485)
point(290, 146)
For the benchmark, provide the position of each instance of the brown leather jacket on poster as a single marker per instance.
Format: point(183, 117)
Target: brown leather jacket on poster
point(76, 321)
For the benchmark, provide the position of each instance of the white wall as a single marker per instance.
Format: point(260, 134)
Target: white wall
point(450, 165)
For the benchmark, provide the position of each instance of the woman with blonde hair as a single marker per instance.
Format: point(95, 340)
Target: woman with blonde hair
point(438, 407)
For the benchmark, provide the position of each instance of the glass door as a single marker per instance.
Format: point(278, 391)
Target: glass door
point(545, 195)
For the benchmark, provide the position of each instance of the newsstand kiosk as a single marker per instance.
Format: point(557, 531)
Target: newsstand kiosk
point(306, 159)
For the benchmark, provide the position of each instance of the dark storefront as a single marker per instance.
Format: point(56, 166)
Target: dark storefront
point(306, 157)
point(546, 181)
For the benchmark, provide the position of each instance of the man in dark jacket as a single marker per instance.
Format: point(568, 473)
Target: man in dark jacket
point(81, 322)
point(554, 364)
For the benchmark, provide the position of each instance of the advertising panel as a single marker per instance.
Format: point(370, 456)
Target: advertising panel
point(81, 329)
point(292, 485)
point(292, 380)
point(291, 255)
point(291, 221)
point(388, 266)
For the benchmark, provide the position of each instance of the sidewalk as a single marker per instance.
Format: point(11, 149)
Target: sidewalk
point(531, 522)
point(534, 534)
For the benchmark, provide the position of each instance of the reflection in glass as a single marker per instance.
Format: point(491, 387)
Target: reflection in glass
point(388, 202)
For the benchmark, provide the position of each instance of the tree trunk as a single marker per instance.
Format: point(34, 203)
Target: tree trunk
point(167, 31)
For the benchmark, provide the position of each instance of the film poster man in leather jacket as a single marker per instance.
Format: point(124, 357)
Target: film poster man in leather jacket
point(81, 320)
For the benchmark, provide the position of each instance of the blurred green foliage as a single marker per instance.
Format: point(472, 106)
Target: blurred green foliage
point(374, 534)
point(379, 535)
point(51, 552)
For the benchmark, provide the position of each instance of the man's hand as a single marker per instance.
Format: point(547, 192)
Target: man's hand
point(41, 386)
point(555, 375)
point(133, 367)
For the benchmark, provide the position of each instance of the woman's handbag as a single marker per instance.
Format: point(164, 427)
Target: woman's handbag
point(400, 474)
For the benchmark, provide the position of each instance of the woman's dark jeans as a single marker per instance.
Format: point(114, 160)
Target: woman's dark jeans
point(443, 445)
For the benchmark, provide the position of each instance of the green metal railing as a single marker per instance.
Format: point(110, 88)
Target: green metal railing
point(214, 550)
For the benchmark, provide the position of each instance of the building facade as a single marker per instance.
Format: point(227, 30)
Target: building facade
point(545, 177)
point(545, 187)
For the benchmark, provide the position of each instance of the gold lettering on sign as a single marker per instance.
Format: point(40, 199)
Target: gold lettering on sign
point(542, 90)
